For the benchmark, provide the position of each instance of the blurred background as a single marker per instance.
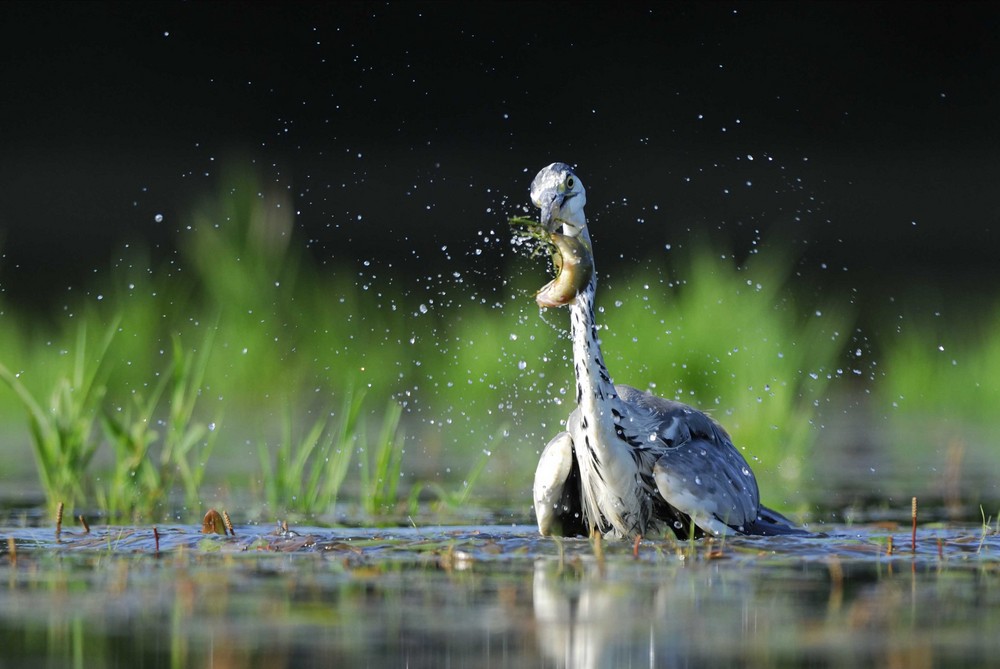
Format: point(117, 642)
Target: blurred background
point(793, 207)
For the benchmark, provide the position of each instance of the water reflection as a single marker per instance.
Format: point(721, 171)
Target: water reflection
point(496, 597)
point(853, 606)
point(629, 615)
point(583, 619)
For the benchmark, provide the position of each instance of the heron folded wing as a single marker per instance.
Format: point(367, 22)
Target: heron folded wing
point(709, 481)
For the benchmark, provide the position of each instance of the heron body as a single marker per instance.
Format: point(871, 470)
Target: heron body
point(629, 463)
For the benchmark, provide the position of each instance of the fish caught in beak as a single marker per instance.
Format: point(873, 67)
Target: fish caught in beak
point(574, 263)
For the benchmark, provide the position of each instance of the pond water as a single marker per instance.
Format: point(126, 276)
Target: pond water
point(497, 596)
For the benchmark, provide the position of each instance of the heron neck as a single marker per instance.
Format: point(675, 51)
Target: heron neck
point(594, 388)
point(604, 465)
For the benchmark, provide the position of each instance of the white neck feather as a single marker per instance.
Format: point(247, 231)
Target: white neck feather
point(606, 467)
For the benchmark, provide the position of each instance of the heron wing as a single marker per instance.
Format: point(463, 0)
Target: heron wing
point(704, 480)
point(698, 472)
point(557, 495)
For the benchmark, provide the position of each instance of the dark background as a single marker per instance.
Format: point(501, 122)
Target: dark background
point(864, 135)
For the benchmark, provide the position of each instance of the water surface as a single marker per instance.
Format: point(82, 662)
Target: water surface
point(497, 596)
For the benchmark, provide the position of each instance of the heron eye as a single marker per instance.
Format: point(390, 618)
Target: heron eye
point(570, 182)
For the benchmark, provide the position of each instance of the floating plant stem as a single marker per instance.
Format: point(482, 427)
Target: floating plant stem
point(59, 517)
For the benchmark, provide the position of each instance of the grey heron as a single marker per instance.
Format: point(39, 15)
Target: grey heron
point(629, 463)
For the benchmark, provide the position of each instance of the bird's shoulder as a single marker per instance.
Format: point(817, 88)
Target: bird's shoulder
point(665, 412)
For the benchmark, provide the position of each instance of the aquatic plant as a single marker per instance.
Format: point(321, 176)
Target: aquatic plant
point(141, 479)
point(134, 483)
point(381, 462)
point(62, 431)
point(308, 472)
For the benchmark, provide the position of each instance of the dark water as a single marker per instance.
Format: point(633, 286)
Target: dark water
point(497, 596)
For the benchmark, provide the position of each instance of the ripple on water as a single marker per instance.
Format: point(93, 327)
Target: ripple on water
point(498, 595)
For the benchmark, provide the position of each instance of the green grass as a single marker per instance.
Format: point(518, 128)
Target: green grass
point(62, 430)
point(307, 473)
point(243, 331)
point(148, 464)
point(942, 367)
point(381, 462)
point(936, 397)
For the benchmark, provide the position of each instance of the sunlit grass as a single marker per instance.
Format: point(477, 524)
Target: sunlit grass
point(152, 454)
point(381, 460)
point(942, 367)
point(62, 429)
point(245, 326)
point(307, 472)
point(936, 397)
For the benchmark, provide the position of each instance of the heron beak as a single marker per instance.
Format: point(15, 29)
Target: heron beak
point(550, 212)
point(550, 218)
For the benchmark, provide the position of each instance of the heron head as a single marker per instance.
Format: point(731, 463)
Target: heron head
point(560, 194)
